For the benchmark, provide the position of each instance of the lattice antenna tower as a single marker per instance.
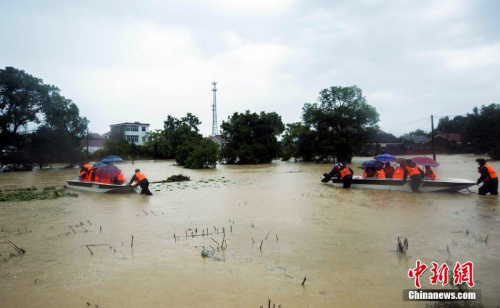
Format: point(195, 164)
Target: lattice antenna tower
point(214, 111)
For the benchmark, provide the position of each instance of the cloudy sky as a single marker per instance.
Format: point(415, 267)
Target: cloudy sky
point(143, 60)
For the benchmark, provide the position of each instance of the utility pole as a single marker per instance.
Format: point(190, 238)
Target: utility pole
point(432, 136)
point(214, 111)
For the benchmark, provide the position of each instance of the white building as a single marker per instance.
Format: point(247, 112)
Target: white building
point(132, 132)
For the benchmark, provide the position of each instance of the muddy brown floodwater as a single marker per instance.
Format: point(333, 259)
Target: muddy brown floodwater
point(343, 241)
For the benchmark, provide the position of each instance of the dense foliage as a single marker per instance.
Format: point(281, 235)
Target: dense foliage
point(58, 128)
point(479, 129)
point(181, 140)
point(338, 125)
point(251, 137)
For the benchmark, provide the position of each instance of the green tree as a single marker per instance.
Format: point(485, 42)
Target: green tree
point(342, 121)
point(447, 125)
point(482, 129)
point(25, 100)
point(180, 139)
point(203, 154)
point(22, 97)
point(298, 142)
point(252, 137)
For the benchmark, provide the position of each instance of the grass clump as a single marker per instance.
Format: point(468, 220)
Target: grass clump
point(32, 195)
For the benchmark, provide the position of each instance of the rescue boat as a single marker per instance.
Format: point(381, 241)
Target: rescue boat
point(100, 187)
point(439, 185)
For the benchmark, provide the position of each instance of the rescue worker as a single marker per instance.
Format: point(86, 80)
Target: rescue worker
point(429, 173)
point(488, 176)
point(369, 172)
point(341, 171)
point(389, 170)
point(141, 179)
point(415, 174)
point(380, 174)
point(85, 173)
point(398, 173)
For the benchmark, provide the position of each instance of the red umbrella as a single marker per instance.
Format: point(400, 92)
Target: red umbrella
point(107, 171)
point(426, 161)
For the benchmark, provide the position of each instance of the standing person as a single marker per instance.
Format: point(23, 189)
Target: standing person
point(141, 179)
point(488, 176)
point(389, 170)
point(415, 174)
point(429, 173)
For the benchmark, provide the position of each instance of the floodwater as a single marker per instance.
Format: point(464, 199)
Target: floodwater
point(342, 241)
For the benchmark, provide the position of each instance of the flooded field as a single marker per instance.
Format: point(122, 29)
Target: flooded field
point(279, 225)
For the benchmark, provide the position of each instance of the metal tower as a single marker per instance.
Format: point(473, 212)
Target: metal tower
point(214, 112)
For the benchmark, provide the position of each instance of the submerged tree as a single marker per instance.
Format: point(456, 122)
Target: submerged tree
point(180, 140)
point(342, 121)
point(251, 137)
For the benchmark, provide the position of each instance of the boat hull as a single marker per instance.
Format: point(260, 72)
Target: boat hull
point(100, 187)
point(440, 184)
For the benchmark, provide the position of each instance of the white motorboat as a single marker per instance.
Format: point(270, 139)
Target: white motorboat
point(100, 187)
point(440, 184)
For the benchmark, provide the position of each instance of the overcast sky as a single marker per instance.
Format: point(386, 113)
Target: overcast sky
point(129, 61)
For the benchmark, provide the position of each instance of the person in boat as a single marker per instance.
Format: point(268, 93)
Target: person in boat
point(85, 173)
point(389, 170)
point(429, 173)
point(415, 173)
point(119, 179)
point(488, 176)
point(398, 172)
point(141, 179)
point(380, 173)
point(369, 172)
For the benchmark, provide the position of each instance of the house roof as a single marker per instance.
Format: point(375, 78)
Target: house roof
point(386, 138)
point(415, 138)
point(95, 136)
point(451, 136)
point(130, 123)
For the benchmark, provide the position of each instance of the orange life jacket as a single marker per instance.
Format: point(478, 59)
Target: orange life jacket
point(87, 167)
point(412, 170)
point(491, 173)
point(344, 172)
point(83, 175)
point(430, 173)
point(140, 176)
point(120, 177)
point(381, 174)
point(398, 173)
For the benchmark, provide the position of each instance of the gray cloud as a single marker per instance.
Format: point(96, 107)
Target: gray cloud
point(124, 61)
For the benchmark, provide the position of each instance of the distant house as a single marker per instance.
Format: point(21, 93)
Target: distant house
point(93, 142)
point(413, 139)
point(388, 143)
point(448, 143)
point(130, 131)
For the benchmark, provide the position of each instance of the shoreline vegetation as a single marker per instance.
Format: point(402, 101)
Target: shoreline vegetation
point(339, 125)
